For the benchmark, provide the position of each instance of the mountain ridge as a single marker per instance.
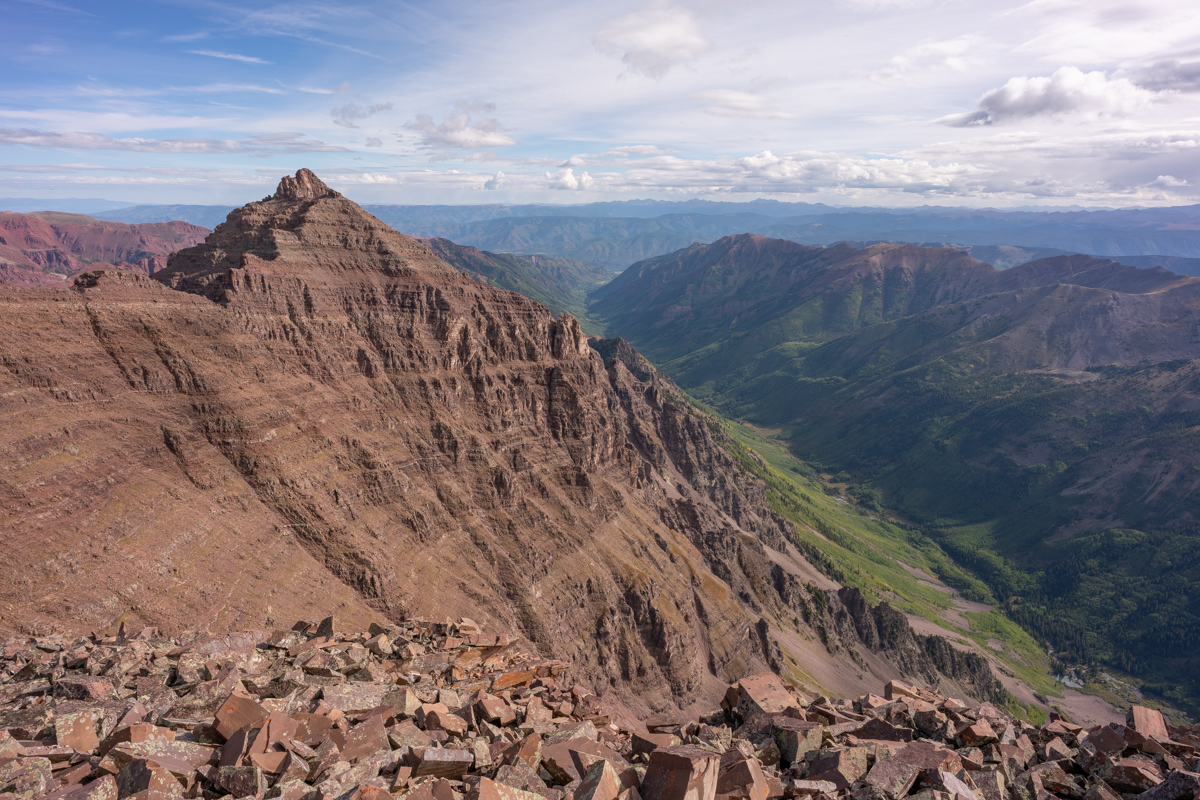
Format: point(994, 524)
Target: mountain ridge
point(310, 410)
point(1023, 418)
point(47, 248)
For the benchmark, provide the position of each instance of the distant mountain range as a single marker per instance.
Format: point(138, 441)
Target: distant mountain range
point(47, 248)
point(615, 235)
point(1042, 423)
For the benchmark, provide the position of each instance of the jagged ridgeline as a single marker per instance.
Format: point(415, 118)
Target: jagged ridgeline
point(1041, 423)
point(312, 411)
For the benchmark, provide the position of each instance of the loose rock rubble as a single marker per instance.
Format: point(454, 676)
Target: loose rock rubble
point(441, 711)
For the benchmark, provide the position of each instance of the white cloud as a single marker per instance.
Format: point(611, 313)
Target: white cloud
point(77, 140)
point(949, 54)
point(373, 141)
point(733, 103)
point(186, 37)
point(628, 150)
point(652, 41)
point(567, 179)
point(229, 56)
point(457, 132)
point(807, 172)
point(1069, 91)
point(1167, 182)
point(495, 182)
point(348, 114)
point(222, 88)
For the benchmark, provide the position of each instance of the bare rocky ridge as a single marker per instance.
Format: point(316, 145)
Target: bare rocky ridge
point(444, 711)
point(312, 411)
point(46, 249)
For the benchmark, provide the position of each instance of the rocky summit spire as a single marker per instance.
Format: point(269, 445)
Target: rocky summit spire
point(305, 186)
point(303, 230)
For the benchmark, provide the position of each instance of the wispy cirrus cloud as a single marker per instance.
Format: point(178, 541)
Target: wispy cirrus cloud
point(54, 6)
point(734, 103)
point(230, 56)
point(287, 142)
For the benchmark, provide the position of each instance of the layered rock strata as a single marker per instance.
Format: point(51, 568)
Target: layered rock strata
point(312, 411)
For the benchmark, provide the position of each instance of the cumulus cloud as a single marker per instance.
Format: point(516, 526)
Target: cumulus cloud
point(1168, 75)
point(733, 103)
point(1167, 182)
point(374, 142)
point(567, 179)
point(1069, 91)
point(229, 56)
point(653, 40)
point(347, 115)
point(78, 140)
point(807, 172)
point(456, 131)
point(495, 182)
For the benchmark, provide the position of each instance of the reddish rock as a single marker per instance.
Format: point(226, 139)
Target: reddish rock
point(763, 693)
point(681, 773)
point(438, 763)
point(892, 778)
point(142, 775)
point(238, 711)
point(492, 790)
point(242, 781)
point(795, 738)
point(89, 689)
point(977, 734)
point(881, 730)
point(1135, 774)
point(1179, 785)
point(77, 731)
point(742, 779)
point(649, 742)
point(600, 782)
point(1147, 722)
point(899, 690)
point(365, 738)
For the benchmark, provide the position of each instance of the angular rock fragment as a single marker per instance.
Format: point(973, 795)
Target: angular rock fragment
point(681, 773)
point(439, 763)
point(892, 778)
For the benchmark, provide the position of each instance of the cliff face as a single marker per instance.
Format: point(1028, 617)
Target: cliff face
point(312, 413)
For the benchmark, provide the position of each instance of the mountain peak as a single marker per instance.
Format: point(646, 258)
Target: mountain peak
point(305, 186)
point(304, 229)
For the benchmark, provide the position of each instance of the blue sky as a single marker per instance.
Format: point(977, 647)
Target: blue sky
point(887, 102)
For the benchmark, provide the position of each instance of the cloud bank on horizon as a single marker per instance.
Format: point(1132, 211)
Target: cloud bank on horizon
point(881, 102)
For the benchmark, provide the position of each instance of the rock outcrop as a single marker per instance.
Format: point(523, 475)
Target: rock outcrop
point(312, 411)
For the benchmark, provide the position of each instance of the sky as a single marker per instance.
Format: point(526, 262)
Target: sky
point(849, 102)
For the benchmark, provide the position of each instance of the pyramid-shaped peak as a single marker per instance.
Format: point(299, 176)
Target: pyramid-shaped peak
point(304, 229)
point(305, 186)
